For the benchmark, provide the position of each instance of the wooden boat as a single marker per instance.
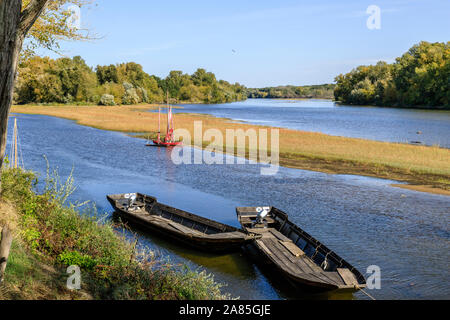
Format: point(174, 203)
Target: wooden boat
point(186, 227)
point(169, 139)
point(300, 258)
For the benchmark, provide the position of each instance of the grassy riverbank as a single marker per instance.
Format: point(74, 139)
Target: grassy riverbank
point(49, 236)
point(423, 168)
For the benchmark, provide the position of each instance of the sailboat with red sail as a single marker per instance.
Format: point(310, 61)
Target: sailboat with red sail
point(169, 139)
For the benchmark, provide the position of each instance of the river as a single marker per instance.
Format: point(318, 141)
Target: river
point(365, 220)
point(374, 123)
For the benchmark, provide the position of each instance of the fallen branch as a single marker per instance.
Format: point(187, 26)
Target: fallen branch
point(5, 246)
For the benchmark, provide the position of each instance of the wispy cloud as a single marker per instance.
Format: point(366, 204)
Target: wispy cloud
point(269, 13)
point(363, 13)
point(134, 52)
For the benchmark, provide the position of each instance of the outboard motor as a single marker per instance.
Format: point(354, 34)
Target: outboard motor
point(262, 214)
point(131, 197)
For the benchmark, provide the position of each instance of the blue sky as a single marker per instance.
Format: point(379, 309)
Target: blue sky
point(257, 43)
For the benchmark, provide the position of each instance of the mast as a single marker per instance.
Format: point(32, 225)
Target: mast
point(15, 143)
point(168, 115)
point(159, 123)
point(169, 139)
point(171, 117)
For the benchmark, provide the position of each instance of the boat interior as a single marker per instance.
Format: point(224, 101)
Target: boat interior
point(166, 216)
point(297, 251)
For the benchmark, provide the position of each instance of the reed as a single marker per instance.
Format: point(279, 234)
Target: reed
point(426, 167)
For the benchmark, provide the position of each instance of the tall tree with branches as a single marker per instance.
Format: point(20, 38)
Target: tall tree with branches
point(24, 26)
point(27, 24)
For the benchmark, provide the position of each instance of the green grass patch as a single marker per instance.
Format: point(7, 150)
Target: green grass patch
point(60, 235)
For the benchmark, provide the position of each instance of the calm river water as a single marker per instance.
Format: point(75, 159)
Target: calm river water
point(375, 123)
point(364, 220)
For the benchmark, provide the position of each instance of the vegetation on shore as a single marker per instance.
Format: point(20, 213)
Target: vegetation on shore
point(425, 168)
point(322, 91)
point(419, 78)
point(72, 81)
point(49, 236)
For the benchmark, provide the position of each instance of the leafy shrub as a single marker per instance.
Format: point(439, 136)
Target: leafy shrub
point(127, 86)
point(130, 97)
point(143, 95)
point(74, 258)
point(107, 100)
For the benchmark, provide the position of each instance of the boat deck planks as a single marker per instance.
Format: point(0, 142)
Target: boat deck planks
point(348, 277)
point(303, 260)
point(297, 263)
point(279, 235)
point(296, 251)
point(182, 228)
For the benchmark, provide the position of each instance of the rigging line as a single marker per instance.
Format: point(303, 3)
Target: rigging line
point(11, 152)
point(13, 146)
point(20, 151)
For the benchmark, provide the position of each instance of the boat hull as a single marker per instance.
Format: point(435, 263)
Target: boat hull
point(223, 242)
point(165, 144)
point(296, 256)
point(278, 275)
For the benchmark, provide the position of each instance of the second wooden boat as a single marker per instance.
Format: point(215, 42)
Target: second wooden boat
point(298, 257)
point(169, 139)
point(188, 228)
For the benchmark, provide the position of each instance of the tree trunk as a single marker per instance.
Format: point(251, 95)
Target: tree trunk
point(11, 41)
point(5, 246)
point(14, 26)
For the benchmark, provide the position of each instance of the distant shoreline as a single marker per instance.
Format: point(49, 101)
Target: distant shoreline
point(339, 103)
point(434, 108)
point(315, 98)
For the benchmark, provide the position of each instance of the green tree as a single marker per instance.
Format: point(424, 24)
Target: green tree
point(422, 74)
point(42, 22)
point(107, 74)
point(175, 81)
point(418, 78)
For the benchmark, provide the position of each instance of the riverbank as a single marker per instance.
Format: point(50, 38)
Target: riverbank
point(322, 91)
point(50, 236)
point(423, 168)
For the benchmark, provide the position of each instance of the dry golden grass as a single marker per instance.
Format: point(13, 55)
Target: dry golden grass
point(419, 165)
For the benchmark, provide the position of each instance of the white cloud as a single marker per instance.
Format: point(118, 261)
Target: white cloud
point(156, 48)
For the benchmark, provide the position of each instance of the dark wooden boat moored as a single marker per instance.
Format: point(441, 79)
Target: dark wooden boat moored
point(301, 259)
point(186, 227)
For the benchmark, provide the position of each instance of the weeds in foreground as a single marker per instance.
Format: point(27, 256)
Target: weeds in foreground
point(61, 236)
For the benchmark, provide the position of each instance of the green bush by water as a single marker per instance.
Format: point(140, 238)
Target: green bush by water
point(111, 267)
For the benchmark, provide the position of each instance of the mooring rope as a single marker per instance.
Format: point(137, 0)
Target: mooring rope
point(367, 294)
